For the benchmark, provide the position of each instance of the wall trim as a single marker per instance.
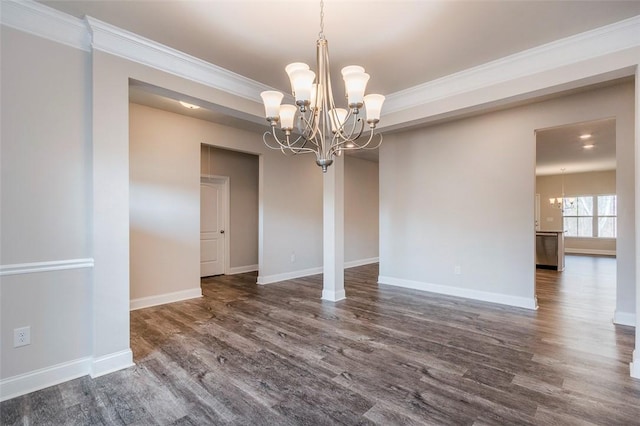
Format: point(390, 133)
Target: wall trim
point(624, 318)
point(634, 366)
point(595, 252)
point(269, 279)
point(43, 21)
point(110, 363)
point(43, 378)
point(502, 299)
point(163, 299)
point(333, 296)
point(242, 269)
point(116, 41)
point(591, 44)
point(53, 265)
point(361, 262)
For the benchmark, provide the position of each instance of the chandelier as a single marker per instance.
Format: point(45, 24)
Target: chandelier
point(562, 202)
point(322, 129)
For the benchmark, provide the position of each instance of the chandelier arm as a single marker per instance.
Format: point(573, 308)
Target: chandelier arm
point(352, 138)
point(287, 147)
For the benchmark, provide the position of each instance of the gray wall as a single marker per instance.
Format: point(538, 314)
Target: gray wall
point(45, 198)
point(242, 170)
point(361, 210)
point(462, 194)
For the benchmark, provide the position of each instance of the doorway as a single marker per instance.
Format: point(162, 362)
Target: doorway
point(238, 172)
point(576, 196)
point(214, 208)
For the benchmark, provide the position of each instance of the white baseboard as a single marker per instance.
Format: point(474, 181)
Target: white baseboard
point(43, 378)
point(50, 376)
point(333, 296)
point(269, 279)
point(242, 269)
point(594, 252)
point(502, 299)
point(634, 366)
point(624, 318)
point(161, 299)
point(112, 362)
point(361, 262)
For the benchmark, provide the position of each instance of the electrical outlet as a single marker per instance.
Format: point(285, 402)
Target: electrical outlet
point(293, 257)
point(457, 270)
point(21, 336)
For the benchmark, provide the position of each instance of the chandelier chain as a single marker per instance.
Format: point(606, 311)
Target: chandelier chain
point(321, 33)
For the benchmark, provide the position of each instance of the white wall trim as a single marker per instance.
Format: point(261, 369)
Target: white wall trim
point(43, 378)
point(502, 299)
point(361, 262)
point(624, 318)
point(242, 269)
point(595, 252)
point(269, 279)
point(54, 265)
point(116, 41)
point(110, 363)
point(634, 366)
point(43, 21)
point(333, 296)
point(162, 299)
point(570, 50)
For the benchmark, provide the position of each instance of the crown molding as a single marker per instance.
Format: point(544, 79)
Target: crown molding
point(42, 21)
point(570, 50)
point(130, 46)
point(89, 34)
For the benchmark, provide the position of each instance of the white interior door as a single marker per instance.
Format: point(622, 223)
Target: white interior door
point(212, 232)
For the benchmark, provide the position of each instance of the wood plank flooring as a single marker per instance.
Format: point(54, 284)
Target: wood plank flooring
point(278, 355)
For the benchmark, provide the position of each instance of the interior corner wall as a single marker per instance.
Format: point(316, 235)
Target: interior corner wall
point(242, 170)
point(45, 197)
point(461, 194)
point(361, 211)
point(575, 184)
point(164, 205)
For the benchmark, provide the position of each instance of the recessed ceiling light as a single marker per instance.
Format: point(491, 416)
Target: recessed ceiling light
point(586, 136)
point(588, 146)
point(187, 105)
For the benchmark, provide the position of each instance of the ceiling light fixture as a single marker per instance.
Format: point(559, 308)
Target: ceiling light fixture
point(325, 130)
point(188, 105)
point(585, 136)
point(588, 146)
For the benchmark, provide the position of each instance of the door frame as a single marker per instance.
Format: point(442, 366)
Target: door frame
point(225, 182)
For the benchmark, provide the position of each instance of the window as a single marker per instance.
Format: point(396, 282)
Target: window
point(590, 216)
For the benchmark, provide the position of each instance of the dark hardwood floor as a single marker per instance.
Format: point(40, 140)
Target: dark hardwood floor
point(251, 355)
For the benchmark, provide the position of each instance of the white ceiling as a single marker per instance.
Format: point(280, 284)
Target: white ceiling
point(561, 148)
point(401, 43)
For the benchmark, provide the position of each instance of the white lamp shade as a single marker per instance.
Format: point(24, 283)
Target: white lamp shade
point(355, 84)
point(373, 104)
point(295, 66)
point(271, 100)
point(287, 115)
point(552, 201)
point(351, 68)
point(316, 101)
point(302, 82)
point(337, 117)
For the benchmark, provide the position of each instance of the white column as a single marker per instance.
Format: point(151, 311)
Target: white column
point(635, 362)
point(333, 231)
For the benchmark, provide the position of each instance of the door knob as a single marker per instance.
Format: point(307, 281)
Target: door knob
point(222, 231)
